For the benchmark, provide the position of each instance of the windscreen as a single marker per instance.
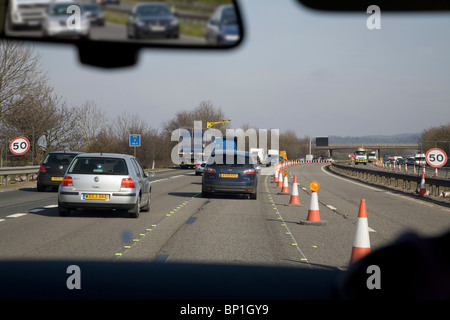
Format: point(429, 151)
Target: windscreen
point(60, 158)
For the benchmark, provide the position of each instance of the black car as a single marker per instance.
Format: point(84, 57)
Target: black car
point(51, 172)
point(223, 27)
point(94, 13)
point(230, 172)
point(152, 19)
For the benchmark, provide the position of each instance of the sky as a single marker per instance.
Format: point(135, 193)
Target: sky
point(317, 74)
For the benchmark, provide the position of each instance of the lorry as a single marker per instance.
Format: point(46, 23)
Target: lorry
point(225, 143)
point(258, 155)
point(190, 147)
point(372, 156)
point(272, 157)
point(361, 156)
point(26, 13)
point(419, 159)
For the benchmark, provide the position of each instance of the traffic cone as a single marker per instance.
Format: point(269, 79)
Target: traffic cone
point(435, 172)
point(422, 188)
point(361, 241)
point(313, 212)
point(275, 176)
point(295, 200)
point(280, 180)
point(285, 188)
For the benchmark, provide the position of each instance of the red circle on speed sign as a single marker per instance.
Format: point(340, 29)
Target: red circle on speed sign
point(19, 146)
point(436, 157)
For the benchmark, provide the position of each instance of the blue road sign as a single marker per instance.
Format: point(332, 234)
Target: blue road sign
point(135, 140)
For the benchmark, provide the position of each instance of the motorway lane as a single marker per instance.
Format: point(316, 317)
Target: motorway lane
point(43, 234)
point(389, 216)
point(183, 227)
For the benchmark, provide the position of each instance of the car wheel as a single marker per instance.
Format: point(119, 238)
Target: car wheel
point(197, 173)
point(205, 194)
point(40, 188)
point(63, 212)
point(134, 213)
point(146, 208)
point(253, 196)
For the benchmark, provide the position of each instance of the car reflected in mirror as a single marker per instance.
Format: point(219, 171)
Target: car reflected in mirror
point(201, 23)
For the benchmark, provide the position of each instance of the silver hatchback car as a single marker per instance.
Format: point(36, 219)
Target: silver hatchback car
point(105, 181)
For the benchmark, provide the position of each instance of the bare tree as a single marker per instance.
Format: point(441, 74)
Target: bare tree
point(90, 120)
point(436, 137)
point(21, 78)
point(204, 112)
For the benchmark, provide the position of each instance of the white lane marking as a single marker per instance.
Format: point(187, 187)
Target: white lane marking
point(35, 210)
point(331, 207)
point(2, 220)
point(51, 206)
point(370, 229)
point(16, 215)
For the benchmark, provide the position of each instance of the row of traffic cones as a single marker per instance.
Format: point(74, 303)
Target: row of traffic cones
point(361, 240)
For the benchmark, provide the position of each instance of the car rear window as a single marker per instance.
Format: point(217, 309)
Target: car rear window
point(91, 165)
point(59, 158)
point(234, 160)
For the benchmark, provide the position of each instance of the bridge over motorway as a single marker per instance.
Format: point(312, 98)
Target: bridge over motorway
point(369, 147)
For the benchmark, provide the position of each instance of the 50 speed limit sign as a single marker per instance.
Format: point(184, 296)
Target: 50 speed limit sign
point(19, 146)
point(436, 157)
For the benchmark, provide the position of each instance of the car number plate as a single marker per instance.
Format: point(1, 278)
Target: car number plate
point(157, 28)
point(57, 178)
point(229, 175)
point(95, 196)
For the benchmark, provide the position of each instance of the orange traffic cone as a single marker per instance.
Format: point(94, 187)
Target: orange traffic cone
point(285, 188)
point(295, 200)
point(313, 211)
point(275, 176)
point(422, 188)
point(361, 241)
point(280, 180)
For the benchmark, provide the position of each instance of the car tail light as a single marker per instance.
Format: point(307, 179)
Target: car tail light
point(127, 183)
point(250, 171)
point(209, 170)
point(67, 182)
point(42, 168)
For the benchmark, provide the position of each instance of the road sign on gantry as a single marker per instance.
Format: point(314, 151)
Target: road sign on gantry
point(19, 146)
point(436, 157)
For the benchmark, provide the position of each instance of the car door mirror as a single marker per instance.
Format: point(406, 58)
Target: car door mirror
point(149, 174)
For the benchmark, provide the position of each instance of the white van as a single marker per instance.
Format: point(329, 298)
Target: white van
point(419, 159)
point(26, 13)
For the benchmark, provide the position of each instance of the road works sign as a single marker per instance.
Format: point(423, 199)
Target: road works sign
point(19, 146)
point(436, 157)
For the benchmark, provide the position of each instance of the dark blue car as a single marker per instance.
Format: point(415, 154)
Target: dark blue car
point(150, 20)
point(223, 28)
point(230, 172)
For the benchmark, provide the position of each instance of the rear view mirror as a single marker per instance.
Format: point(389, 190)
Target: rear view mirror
point(384, 5)
point(124, 26)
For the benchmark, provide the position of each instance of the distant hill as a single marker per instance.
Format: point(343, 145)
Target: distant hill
point(397, 139)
